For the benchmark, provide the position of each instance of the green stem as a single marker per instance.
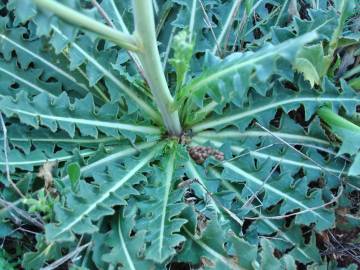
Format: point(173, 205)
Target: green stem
point(344, 6)
point(74, 17)
point(334, 119)
point(151, 62)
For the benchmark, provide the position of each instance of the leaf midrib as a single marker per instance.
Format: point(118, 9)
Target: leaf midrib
point(84, 153)
point(283, 195)
point(43, 60)
point(122, 153)
point(96, 123)
point(169, 174)
point(238, 149)
point(106, 194)
point(252, 60)
point(235, 134)
point(29, 84)
point(122, 241)
point(231, 188)
point(212, 251)
point(232, 118)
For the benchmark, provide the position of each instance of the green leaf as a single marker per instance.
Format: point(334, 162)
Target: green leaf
point(125, 246)
point(269, 261)
point(197, 173)
point(29, 51)
point(310, 61)
point(355, 167)
point(99, 66)
point(94, 201)
point(245, 252)
point(34, 260)
point(165, 205)
point(24, 10)
point(73, 171)
point(236, 70)
point(263, 109)
point(348, 132)
point(4, 261)
point(289, 237)
point(207, 245)
point(293, 195)
point(253, 88)
point(345, 8)
point(60, 113)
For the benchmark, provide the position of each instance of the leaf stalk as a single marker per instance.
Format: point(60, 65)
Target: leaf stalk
point(126, 41)
point(143, 42)
point(333, 119)
point(151, 62)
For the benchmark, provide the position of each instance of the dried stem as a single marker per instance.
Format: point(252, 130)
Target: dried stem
point(4, 130)
point(22, 213)
point(67, 257)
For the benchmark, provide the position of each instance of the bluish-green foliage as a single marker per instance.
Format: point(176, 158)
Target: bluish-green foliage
point(86, 146)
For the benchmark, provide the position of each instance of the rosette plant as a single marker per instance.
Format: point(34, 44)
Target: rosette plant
point(177, 134)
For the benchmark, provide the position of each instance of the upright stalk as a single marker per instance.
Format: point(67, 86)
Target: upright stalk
point(143, 43)
point(151, 62)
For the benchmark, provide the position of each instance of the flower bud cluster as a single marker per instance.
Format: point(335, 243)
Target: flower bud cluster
point(200, 153)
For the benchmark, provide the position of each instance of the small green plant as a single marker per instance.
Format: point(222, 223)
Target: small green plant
point(156, 134)
point(4, 264)
point(43, 204)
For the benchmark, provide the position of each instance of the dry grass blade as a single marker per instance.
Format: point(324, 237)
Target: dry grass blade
point(334, 200)
point(353, 186)
point(208, 23)
point(67, 257)
point(23, 214)
point(233, 16)
point(239, 31)
point(103, 13)
point(293, 148)
point(111, 24)
point(4, 130)
point(339, 249)
point(250, 200)
point(231, 214)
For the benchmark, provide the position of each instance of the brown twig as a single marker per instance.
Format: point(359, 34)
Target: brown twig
point(348, 249)
point(103, 13)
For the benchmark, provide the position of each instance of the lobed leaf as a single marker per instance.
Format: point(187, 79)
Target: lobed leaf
point(162, 210)
point(126, 248)
point(95, 200)
point(59, 113)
